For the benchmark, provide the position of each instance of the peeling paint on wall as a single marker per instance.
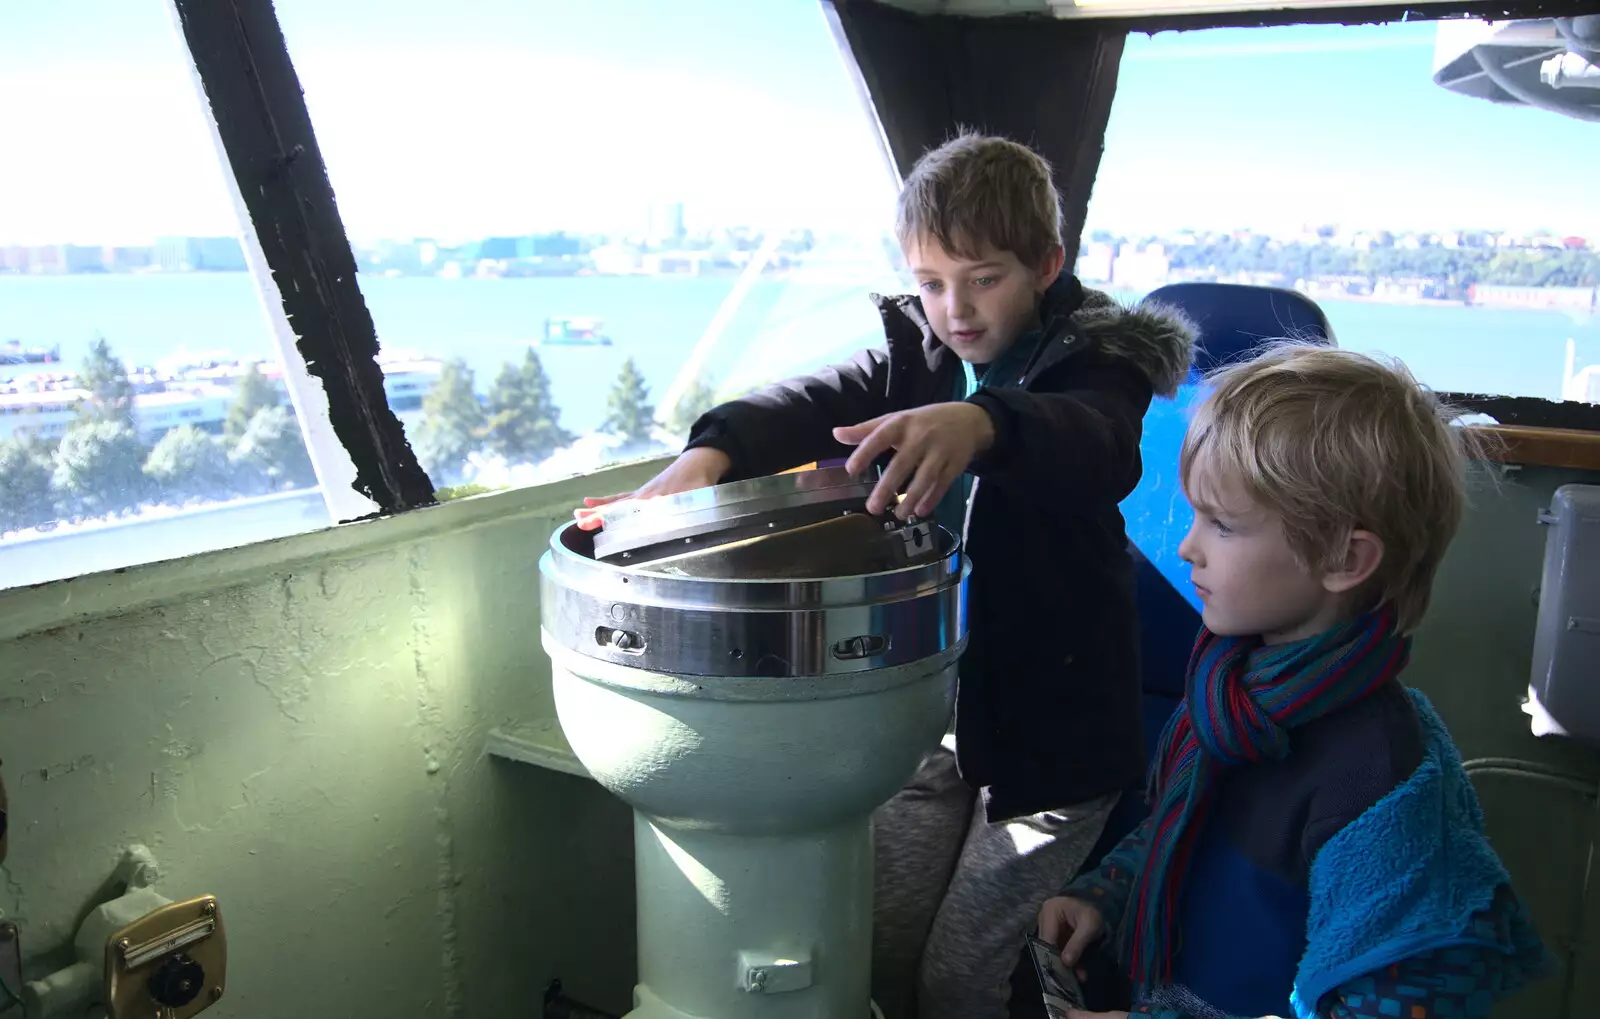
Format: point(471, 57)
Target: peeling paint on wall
point(306, 744)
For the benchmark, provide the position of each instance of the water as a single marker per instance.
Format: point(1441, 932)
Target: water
point(784, 327)
point(1474, 350)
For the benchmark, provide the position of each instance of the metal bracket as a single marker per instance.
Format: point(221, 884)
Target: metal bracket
point(918, 537)
point(766, 973)
point(171, 963)
point(10, 966)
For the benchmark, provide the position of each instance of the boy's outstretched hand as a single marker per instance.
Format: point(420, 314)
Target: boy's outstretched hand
point(933, 445)
point(695, 468)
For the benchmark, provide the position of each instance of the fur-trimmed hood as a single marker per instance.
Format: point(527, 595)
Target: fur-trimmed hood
point(1156, 338)
point(1159, 339)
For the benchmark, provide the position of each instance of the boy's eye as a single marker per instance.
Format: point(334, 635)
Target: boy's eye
point(1221, 527)
point(931, 285)
point(985, 281)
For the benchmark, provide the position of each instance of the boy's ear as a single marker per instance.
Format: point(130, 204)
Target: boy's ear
point(1049, 269)
point(1363, 555)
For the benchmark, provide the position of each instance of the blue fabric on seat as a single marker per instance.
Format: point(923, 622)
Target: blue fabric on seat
point(1235, 320)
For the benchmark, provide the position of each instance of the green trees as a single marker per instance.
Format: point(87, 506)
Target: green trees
point(103, 463)
point(523, 419)
point(519, 422)
point(102, 466)
point(700, 397)
point(186, 463)
point(99, 467)
point(453, 424)
point(106, 380)
point(1453, 269)
point(271, 456)
point(252, 394)
point(628, 410)
point(25, 496)
point(95, 469)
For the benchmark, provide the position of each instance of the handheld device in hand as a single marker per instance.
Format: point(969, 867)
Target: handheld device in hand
point(1058, 983)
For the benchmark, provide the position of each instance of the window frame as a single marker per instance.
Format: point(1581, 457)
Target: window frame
point(242, 62)
point(264, 129)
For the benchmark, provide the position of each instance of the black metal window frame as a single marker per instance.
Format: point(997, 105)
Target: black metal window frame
point(256, 100)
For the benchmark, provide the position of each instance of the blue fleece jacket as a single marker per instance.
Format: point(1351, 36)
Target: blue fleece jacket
point(1321, 889)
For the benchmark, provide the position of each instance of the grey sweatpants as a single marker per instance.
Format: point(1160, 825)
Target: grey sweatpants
point(955, 896)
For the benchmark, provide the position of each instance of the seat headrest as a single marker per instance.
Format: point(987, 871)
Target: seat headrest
point(1235, 320)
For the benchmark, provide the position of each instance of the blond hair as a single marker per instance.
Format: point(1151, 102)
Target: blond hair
point(1335, 441)
point(976, 192)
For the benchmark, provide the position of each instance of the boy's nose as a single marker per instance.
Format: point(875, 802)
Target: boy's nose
point(959, 307)
point(1186, 548)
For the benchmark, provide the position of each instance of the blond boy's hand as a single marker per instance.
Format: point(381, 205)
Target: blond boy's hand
point(694, 468)
point(933, 445)
point(1073, 924)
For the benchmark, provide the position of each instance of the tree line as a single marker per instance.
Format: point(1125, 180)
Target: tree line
point(1453, 269)
point(518, 419)
point(101, 466)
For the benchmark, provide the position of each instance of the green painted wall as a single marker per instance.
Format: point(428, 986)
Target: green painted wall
point(1472, 658)
point(298, 727)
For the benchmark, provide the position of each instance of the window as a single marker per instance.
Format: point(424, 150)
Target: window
point(142, 410)
point(578, 225)
point(1430, 225)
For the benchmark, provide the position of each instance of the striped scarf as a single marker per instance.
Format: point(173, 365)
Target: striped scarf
point(1241, 700)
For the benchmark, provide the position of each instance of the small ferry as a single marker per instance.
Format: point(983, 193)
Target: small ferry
point(573, 332)
point(13, 352)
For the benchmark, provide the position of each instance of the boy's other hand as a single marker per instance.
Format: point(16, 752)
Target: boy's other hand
point(695, 468)
point(933, 445)
point(1073, 924)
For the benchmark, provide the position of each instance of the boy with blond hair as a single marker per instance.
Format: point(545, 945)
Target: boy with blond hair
point(1011, 399)
point(1315, 848)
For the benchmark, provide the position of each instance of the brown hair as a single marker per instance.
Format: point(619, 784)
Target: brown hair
point(1335, 441)
point(976, 192)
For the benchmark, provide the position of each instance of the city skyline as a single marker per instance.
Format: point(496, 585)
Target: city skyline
point(205, 251)
point(516, 118)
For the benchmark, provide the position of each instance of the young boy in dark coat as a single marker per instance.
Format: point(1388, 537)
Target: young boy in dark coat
point(1011, 399)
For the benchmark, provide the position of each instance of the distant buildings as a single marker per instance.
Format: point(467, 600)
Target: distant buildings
point(1095, 263)
point(1126, 266)
point(199, 254)
point(168, 254)
point(128, 259)
point(45, 404)
point(1579, 299)
point(664, 247)
point(81, 258)
point(1326, 259)
point(1141, 268)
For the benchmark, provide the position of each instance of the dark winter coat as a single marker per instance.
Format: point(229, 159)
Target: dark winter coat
point(1048, 704)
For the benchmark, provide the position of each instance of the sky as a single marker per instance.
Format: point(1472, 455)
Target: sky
point(488, 117)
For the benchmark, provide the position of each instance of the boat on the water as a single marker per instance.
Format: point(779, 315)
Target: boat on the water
point(13, 352)
point(573, 332)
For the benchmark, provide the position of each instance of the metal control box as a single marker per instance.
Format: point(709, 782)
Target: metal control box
point(1566, 647)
